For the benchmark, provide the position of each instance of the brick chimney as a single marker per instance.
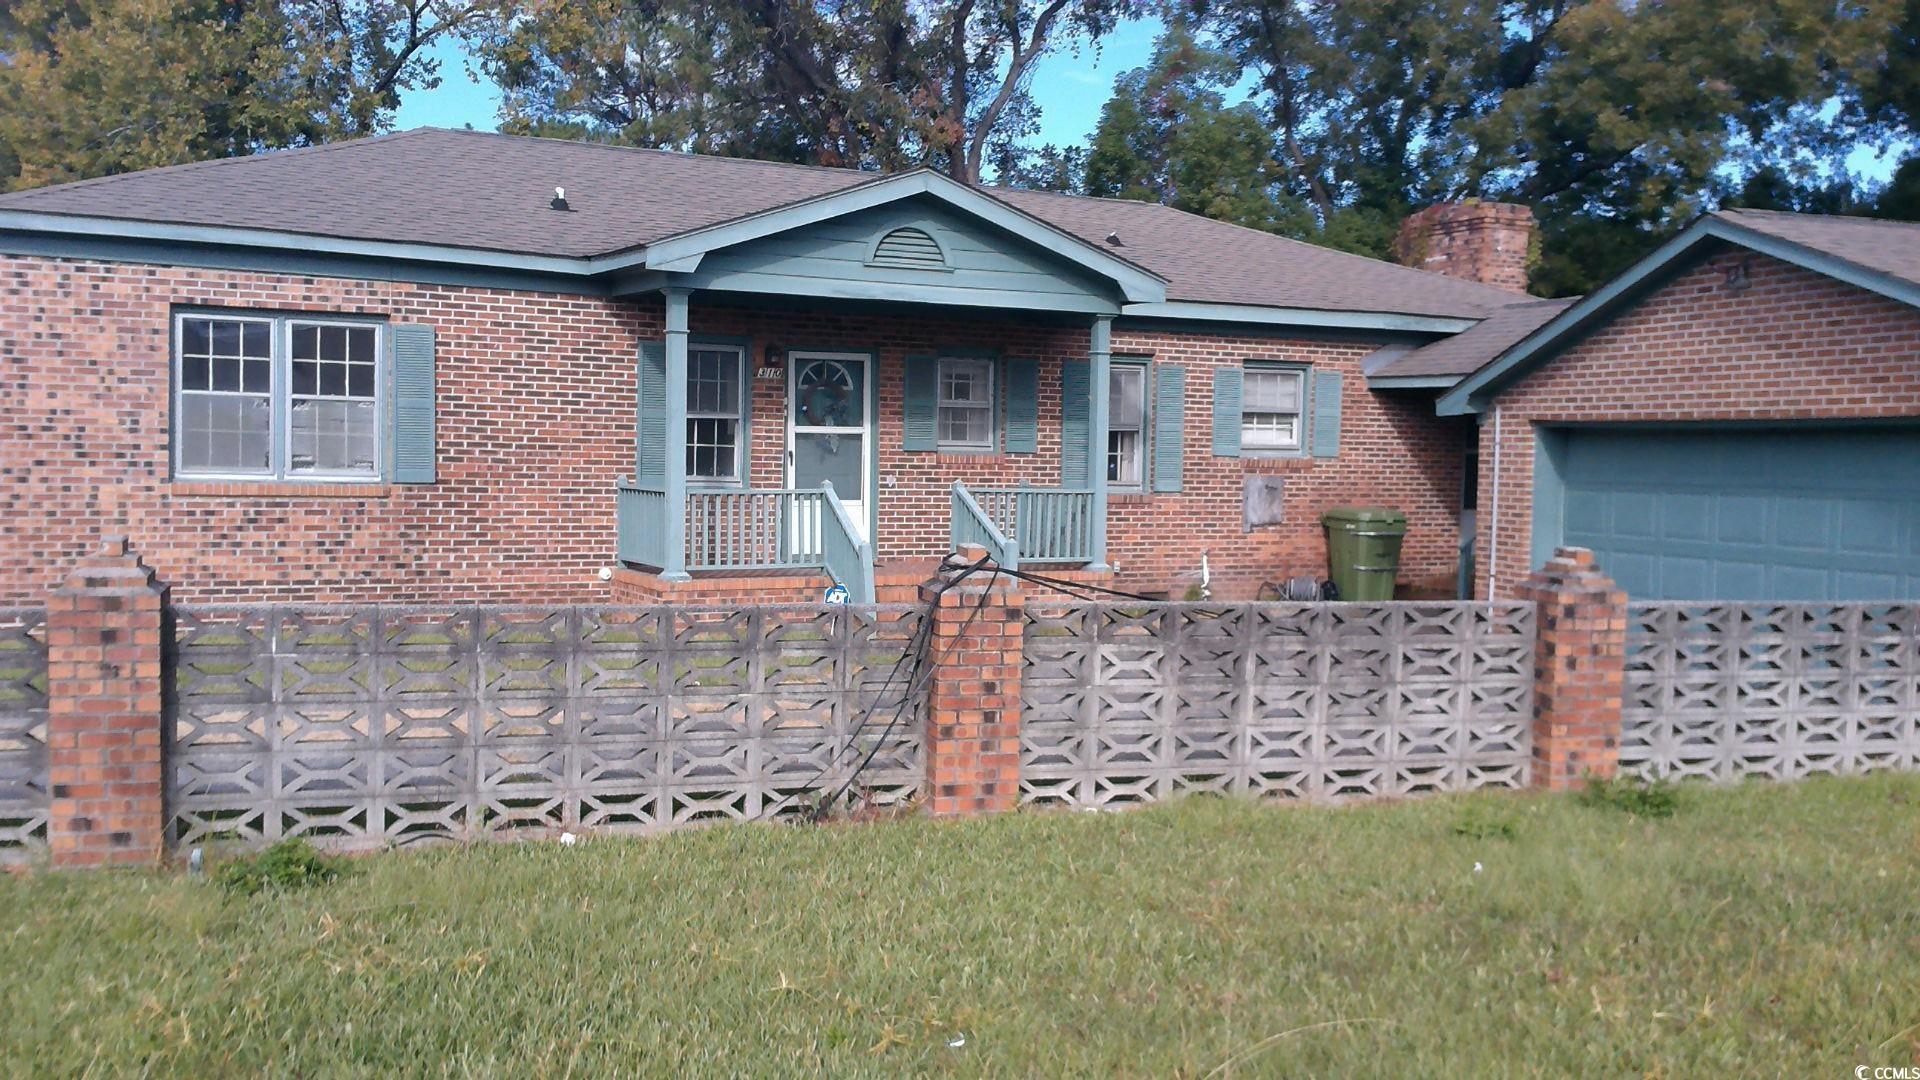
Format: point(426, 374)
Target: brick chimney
point(1480, 241)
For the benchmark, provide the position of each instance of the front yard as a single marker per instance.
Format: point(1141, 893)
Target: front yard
point(1769, 927)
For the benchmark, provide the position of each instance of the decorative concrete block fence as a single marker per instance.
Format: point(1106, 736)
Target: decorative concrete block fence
point(130, 727)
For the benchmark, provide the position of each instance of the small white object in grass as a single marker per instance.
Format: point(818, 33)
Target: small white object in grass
point(1476, 868)
point(568, 839)
point(958, 1041)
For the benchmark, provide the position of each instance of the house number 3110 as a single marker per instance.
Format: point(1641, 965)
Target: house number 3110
point(771, 372)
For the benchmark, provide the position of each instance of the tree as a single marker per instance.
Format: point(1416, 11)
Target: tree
point(96, 87)
point(1629, 116)
point(858, 83)
point(1167, 135)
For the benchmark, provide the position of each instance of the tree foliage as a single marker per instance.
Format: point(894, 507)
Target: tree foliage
point(96, 87)
point(883, 84)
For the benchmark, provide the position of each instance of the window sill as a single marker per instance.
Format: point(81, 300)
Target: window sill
point(276, 489)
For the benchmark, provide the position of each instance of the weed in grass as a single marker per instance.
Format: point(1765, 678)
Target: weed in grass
point(1632, 795)
point(1484, 821)
point(289, 864)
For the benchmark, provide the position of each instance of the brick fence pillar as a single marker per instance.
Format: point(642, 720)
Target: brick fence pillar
point(103, 712)
point(1579, 669)
point(973, 693)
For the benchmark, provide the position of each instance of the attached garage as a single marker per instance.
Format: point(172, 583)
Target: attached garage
point(1751, 513)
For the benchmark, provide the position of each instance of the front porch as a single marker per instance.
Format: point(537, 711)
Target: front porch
point(839, 466)
point(791, 546)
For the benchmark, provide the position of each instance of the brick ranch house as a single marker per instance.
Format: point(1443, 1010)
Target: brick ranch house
point(448, 366)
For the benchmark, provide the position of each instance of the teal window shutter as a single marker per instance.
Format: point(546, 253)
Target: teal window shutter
point(1023, 406)
point(1326, 414)
point(919, 425)
point(1076, 425)
point(1226, 412)
point(413, 420)
point(1169, 426)
point(650, 449)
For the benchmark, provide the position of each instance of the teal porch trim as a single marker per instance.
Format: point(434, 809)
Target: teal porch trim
point(685, 252)
point(675, 568)
point(1478, 390)
point(1099, 372)
point(1414, 382)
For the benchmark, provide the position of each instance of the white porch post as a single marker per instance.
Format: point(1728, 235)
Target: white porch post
point(1101, 357)
point(676, 464)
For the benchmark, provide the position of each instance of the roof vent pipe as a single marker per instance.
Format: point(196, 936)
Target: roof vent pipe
point(560, 199)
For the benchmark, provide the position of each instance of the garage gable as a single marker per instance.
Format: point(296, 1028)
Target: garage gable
point(1882, 258)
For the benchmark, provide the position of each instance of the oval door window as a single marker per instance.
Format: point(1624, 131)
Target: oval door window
point(828, 393)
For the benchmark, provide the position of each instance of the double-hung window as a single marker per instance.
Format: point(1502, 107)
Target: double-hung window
point(277, 397)
point(966, 404)
point(1271, 407)
point(1127, 425)
point(716, 387)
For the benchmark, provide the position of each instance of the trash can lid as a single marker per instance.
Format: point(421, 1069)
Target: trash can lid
point(1373, 515)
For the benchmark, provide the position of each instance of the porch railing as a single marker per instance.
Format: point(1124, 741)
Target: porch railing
point(846, 558)
point(784, 529)
point(1045, 524)
point(972, 525)
point(754, 530)
point(640, 514)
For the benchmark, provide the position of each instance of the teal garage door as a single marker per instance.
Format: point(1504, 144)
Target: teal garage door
point(1796, 513)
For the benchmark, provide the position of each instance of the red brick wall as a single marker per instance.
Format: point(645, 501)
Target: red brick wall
point(1393, 452)
point(535, 412)
point(1793, 345)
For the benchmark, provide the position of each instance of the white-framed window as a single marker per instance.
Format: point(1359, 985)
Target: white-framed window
point(716, 389)
point(965, 404)
point(1127, 425)
point(272, 397)
point(1271, 405)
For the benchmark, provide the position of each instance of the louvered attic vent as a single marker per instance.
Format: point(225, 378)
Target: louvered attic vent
point(909, 248)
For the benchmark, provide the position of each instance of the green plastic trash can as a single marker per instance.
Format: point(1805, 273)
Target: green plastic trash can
point(1363, 550)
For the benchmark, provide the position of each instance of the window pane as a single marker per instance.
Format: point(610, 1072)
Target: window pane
point(1127, 405)
point(1270, 430)
point(226, 372)
point(712, 448)
point(225, 433)
point(332, 436)
point(258, 340)
point(306, 341)
point(966, 425)
point(713, 381)
point(196, 337)
point(196, 373)
point(360, 344)
point(1123, 457)
point(1273, 391)
point(965, 382)
point(226, 338)
point(257, 375)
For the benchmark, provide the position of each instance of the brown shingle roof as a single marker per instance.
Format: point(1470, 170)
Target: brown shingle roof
point(490, 191)
point(1466, 352)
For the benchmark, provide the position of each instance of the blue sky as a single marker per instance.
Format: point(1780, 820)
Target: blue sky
point(1071, 89)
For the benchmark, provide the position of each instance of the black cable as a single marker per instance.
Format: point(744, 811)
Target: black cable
point(916, 650)
point(900, 708)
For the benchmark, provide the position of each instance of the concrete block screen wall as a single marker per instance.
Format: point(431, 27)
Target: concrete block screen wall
point(151, 708)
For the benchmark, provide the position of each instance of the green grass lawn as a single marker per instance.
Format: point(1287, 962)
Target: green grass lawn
point(1770, 928)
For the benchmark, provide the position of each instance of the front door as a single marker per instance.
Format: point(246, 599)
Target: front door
point(828, 428)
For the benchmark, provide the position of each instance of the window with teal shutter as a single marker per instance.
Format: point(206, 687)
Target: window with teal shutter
point(1076, 425)
point(650, 446)
point(919, 425)
point(1169, 426)
point(1023, 406)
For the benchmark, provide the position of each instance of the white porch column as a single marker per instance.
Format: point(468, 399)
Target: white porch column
point(1101, 357)
point(676, 464)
